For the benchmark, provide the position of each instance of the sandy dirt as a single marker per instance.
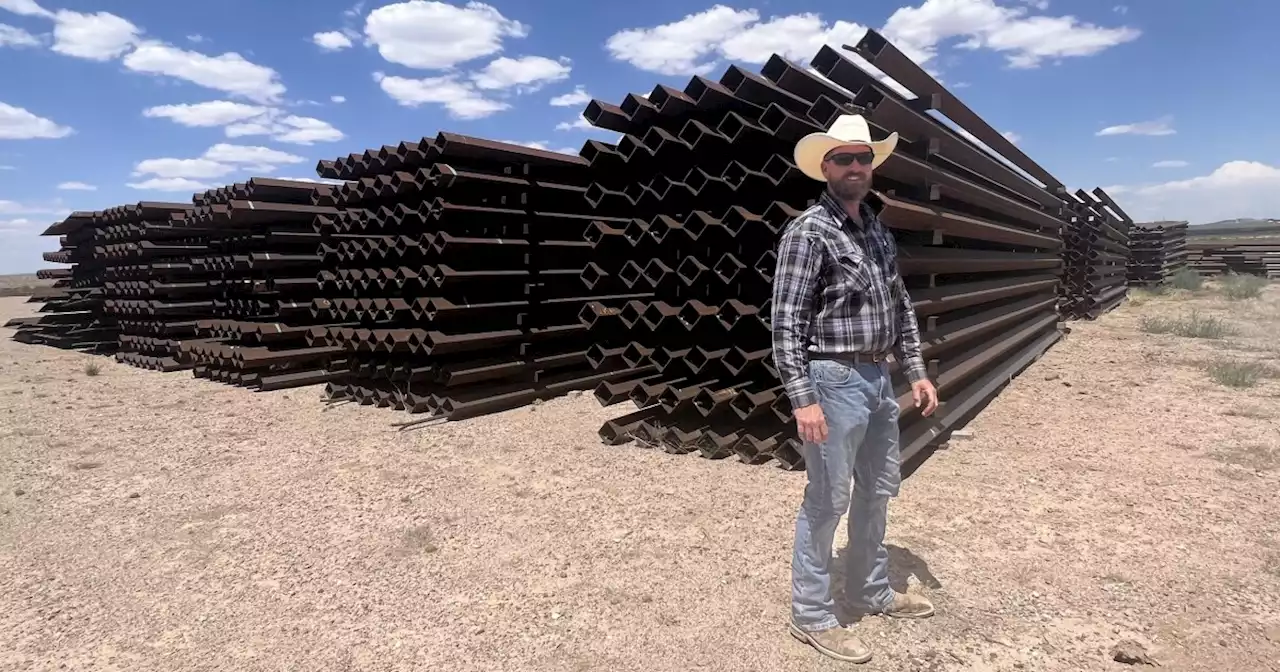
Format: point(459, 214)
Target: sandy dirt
point(1113, 493)
point(21, 284)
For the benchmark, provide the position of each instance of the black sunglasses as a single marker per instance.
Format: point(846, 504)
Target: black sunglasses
point(847, 158)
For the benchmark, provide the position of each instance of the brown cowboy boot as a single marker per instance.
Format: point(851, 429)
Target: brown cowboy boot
point(908, 606)
point(839, 642)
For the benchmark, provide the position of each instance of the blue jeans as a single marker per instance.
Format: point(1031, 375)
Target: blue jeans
point(859, 457)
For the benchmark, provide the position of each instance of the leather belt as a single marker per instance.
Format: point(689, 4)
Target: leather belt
point(854, 358)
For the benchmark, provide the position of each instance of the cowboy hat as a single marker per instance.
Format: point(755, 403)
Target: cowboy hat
point(847, 129)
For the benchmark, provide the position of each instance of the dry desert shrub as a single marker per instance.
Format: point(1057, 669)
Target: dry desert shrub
point(1241, 287)
point(1194, 325)
point(1187, 279)
point(1238, 373)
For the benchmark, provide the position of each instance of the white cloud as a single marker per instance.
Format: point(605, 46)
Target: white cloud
point(1012, 137)
point(246, 154)
point(681, 47)
point(338, 99)
point(97, 37)
point(1120, 9)
point(579, 124)
point(19, 225)
point(243, 120)
point(11, 36)
point(219, 160)
point(1025, 40)
point(797, 37)
point(1161, 126)
point(693, 44)
point(26, 8)
point(1234, 189)
point(460, 98)
point(331, 41)
point(289, 128)
point(436, 35)
point(527, 74)
point(230, 72)
point(191, 168)
point(1176, 163)
point(77, 186)
point(578, 96)
point(19, 124)
point(170, 184)
point(197, 38)
point(15, 208)
point(212, 113)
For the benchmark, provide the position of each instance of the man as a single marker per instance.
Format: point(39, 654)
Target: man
point(839, 308)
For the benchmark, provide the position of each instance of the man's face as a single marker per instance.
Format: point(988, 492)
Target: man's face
point(848, 171)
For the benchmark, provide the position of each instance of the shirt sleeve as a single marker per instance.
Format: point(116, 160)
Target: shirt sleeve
point(799, 261)
point(907, 348)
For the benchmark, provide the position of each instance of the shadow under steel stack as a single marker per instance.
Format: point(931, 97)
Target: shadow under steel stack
point(1157, 251)
point(1095, 255)
point(251, 287)
point(710, 180)
point(1260, 258)
point(457, 270)
point(72, 317)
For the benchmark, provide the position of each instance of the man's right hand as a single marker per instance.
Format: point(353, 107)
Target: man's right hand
point(811, 423)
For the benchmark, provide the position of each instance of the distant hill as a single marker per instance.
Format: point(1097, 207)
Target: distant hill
point(1242, 226)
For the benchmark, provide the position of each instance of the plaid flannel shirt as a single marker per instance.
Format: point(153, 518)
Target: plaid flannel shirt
point(837, 290)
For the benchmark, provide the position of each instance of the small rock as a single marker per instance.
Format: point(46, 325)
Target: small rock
point(1053, 376)
point(19, 492)
point(134, 495)
point(1130, 652)
point(574, 393)
point(1066, 383)
point(961, 434)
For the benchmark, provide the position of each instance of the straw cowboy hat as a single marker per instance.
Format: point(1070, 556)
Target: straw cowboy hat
point(847, 129)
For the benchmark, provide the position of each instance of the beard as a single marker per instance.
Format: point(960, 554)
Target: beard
point(850, 191)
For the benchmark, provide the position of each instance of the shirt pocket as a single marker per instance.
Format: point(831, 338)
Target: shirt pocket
point(853, 267)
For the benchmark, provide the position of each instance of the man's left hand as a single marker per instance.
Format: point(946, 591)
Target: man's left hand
point(923, 391)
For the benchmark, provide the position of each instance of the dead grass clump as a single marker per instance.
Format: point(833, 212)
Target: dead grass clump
point(1241, 287)
point(92, 368)
point(1251, 413)
point(1187, 279)
point(1255, 457)
point(1238, 373)
point(1193, 326)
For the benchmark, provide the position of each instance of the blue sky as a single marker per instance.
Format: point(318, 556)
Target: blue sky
point(1164, 102)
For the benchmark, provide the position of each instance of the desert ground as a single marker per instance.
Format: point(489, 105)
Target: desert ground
point(1117, 493)
point(21, 284)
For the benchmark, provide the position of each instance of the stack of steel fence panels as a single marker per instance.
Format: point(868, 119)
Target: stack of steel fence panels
point(1157, 251)
point(713, 185)
point(1095, 256)
point(457, 269)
